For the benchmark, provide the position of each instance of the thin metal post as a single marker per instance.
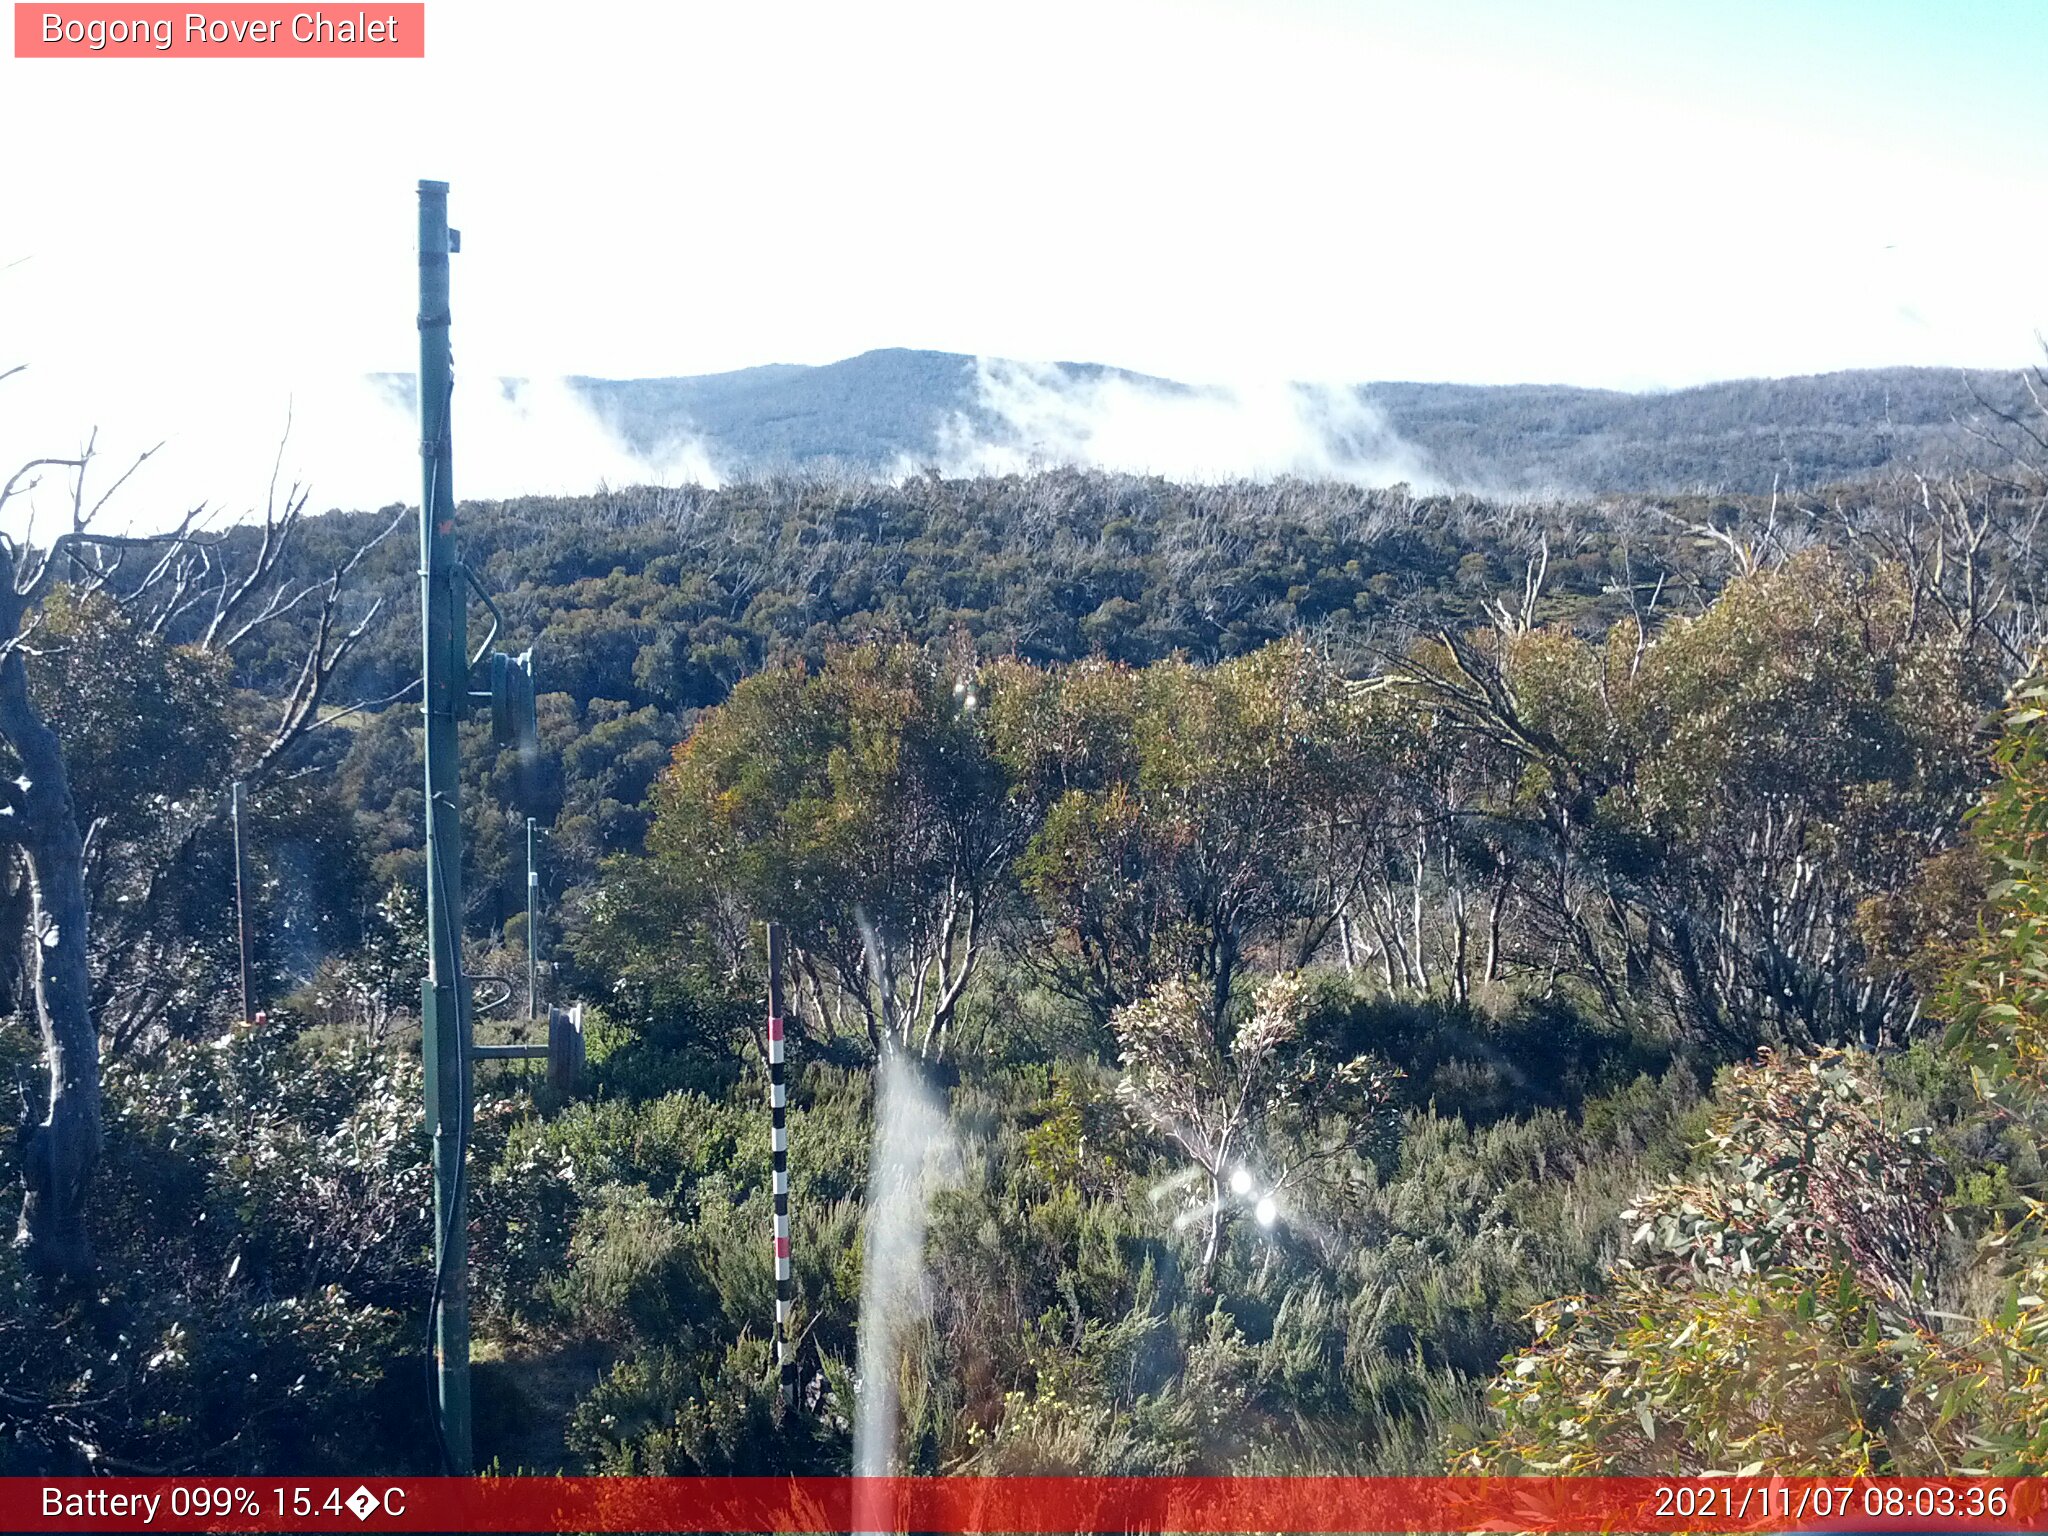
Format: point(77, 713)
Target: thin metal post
point(778, 1151)
point(239, 805)
point(444, 1003)
point(532, 928)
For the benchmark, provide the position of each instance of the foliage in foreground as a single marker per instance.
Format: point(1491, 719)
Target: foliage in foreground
point(1549, 872)
point(1826, 1297)
point(273, 1324)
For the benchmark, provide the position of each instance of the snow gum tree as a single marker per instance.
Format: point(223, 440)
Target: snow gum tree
point(200, 593)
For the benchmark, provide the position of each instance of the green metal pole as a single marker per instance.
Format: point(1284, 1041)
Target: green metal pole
point(444, 1005)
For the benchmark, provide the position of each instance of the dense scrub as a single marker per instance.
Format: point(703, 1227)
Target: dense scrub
point(1321, 914)
point(1850, 1280)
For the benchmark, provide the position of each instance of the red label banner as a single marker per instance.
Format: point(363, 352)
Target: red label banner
point(227, 31)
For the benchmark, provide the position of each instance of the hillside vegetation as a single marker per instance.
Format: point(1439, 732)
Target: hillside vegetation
point(1403, 984)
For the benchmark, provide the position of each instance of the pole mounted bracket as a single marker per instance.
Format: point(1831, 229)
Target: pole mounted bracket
point(563, 1051)
point(514, 721)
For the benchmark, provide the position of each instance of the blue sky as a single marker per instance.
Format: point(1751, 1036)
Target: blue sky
point(1961, 78)
point(1632, 195)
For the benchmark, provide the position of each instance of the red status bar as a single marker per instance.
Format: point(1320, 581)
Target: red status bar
point(1025, 1504)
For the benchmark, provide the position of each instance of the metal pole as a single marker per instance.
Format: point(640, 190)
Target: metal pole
point(444, 1003)
point(239, 805)
point(532, 931)
point(778, 1151)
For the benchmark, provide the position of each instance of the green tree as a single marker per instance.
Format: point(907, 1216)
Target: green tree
point(224, 597)
point(1194, 818)
point(1705, 810)
point(859, 805)
point(1793, 1308)
point(1997, 990)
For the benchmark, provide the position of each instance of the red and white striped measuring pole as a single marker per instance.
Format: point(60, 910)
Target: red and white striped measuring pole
point(778, 1146)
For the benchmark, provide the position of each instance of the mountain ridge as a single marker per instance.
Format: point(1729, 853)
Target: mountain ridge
point(897, 410)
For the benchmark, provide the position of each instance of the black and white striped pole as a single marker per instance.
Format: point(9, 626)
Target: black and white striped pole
point(778, 1147)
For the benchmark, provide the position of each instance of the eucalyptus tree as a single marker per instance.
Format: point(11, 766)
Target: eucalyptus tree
point(1192, 818)
point(169, 609)
point(1705, 813)
point(859, 805)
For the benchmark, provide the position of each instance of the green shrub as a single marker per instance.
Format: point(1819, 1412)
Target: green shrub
point(661, 1414)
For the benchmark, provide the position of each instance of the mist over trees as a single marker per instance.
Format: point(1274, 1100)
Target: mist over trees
point(887, 409)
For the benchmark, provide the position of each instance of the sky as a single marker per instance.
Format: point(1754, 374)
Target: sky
point(1633, 195)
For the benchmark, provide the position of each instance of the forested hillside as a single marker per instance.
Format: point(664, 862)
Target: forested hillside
point(887, 409)
point(1273, 945)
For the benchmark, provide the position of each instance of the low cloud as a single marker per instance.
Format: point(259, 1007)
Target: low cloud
point(540, 437)
point(1038, 415)
point(352, 440)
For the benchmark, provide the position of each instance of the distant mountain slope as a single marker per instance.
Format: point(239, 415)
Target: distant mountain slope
point(864, 411)
point(1731, 436)
point(892, 409)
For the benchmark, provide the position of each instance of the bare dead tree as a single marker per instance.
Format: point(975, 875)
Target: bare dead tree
point(59, 1152)
point(156, 578)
